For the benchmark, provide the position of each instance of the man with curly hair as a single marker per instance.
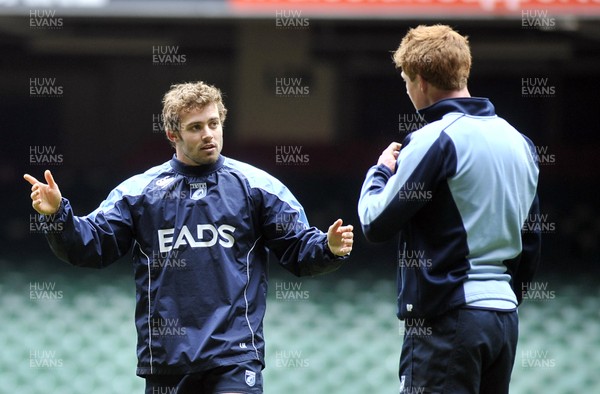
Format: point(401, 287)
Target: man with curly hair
point(200, 228)
point(459, 191)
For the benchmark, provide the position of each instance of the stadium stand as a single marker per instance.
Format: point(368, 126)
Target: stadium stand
point(71, 331)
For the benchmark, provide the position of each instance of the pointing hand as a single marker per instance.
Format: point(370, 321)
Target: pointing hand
point(45, 197)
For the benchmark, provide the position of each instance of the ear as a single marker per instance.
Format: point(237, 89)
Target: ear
point(172, 136)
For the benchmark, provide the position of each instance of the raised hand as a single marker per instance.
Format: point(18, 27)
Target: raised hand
point(390, 155)
point(45, 197)
point(340, 238)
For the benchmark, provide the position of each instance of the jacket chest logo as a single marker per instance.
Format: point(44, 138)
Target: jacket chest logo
point(197, 190)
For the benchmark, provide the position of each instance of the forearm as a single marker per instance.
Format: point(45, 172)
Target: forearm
point(307, 254)
point(373, 202)
point(81, 241)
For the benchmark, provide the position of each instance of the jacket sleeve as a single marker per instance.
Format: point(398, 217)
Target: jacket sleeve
point(95, 240)
point(300, 249)
point(388, 200)
point(524, 266)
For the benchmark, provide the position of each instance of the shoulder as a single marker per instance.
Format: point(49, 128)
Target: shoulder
point(131, 187)
point(136, 184)
point(433, 134)
point(271, 188)
point(256, 177)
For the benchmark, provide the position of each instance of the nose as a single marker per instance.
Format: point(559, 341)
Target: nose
point(207, 134)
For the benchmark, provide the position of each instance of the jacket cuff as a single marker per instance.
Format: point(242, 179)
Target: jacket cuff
point(60, 216)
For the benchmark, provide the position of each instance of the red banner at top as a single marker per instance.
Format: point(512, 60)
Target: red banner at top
point(421, 7)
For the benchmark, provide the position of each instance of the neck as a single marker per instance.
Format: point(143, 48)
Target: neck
point(436, 95)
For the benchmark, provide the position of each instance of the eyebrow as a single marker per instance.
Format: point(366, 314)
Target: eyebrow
point(216, 118)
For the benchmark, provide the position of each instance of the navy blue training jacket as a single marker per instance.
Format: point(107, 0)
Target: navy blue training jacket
point(200, 239)
point(464, 200)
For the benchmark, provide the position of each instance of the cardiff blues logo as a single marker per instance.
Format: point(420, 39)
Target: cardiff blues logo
point(250, 378)
point(197, 190)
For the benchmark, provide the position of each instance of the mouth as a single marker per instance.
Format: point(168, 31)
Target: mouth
point(209, 147)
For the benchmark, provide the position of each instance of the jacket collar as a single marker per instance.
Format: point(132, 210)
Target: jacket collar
point(475, 106)
point(196, 171)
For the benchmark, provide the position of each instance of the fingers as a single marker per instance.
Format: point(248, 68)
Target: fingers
point(45, 198)
point(348, 238)
point(340, 238)
point(30, 179)
point(390, 155)
point(344, 229)
point(394, 148)
point(336, 225)
point(36, 194)
point(338, 228)
point(49, 179)
point(346, 235)
point(346, 246)
point(35, 190)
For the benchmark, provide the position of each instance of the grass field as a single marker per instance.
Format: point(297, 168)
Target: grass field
point(71, 331)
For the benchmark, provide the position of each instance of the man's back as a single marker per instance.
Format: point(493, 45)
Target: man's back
point(478, 176)
point(495, 174)
point(458, 191)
